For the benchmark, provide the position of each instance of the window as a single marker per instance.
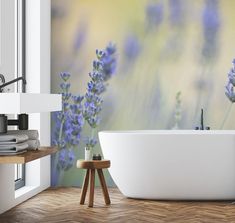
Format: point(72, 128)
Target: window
point(19, 176)
point(12, 54)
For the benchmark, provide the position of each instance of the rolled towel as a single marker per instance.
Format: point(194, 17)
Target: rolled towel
point(12, 139)
point(33, 144)
point(32, 134)
point(13, 148)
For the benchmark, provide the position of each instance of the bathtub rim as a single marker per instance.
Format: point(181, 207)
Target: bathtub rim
point(167, 132)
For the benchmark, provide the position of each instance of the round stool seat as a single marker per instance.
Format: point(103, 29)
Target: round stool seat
point(93, 164)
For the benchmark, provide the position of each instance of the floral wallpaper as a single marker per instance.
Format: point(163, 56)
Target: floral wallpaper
point(172, 58)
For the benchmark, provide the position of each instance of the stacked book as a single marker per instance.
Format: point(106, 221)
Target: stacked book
point(18, 141)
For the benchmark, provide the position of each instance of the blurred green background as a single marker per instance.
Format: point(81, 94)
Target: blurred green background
point(163, 47)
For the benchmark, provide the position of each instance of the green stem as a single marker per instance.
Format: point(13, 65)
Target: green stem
point(92, 133)
point(61, 130)
point(226, 115)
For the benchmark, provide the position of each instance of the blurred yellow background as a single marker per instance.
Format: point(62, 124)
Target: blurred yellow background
point(142, 93)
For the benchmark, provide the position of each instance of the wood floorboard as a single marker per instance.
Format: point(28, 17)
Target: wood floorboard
point(61, 205)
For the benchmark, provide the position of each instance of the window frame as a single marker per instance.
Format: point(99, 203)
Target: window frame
point(19, 176)
point(20, 71)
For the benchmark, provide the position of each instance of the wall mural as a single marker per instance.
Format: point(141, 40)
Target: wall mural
point(124, 65)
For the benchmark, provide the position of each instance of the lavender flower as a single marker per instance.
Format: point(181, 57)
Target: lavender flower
point(211, 25)
point(154, 15)
point(131, 47)
point(231, 74)
point(80, 36)
point(229, 88)
point(229, 91)
point(62, 158)
point(66, 158)
point(90, 142)
point(109, 62)
point(77, 99)
point(96, 87)
point(65, 87)
point(211, 20)
point(176, 12)
point(67, 124)
point(71, 158)
point(104, 68)
point(66, 96)
point(65, 76)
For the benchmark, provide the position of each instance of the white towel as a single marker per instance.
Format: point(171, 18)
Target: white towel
point(33, 144)
point(12, 153)
point(32, 134)
point(13, 148)
point(12, 139)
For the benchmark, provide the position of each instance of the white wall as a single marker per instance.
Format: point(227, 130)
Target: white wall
point(8, 39)
point(38, 80)
point(8, 46)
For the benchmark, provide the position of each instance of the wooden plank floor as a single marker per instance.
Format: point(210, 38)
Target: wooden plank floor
point(62, 205)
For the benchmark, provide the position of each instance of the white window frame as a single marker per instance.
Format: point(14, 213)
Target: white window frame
point(20, 71)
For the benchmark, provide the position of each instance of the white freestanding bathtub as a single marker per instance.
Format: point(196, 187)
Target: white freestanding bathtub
point(172, 164)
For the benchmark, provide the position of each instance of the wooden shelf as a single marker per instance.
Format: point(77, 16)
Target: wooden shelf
point(28, 156)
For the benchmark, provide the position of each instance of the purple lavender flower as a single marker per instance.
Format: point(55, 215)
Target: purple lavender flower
point(229, 88)
point(103, 69)
point(96, 76)
point(66, 158)
point(71, 156)
point(131, 47)
point(76, 108)
point(231, 74)
point(65, 76)
point(80, 36)
point(65, 106)
point(65, 86)
point(100, 54)
point(67, 124)
point(90, 142)
point(229, 91)
point(73, 127)
point(109, 62)
point(66, 96)
point(176, 12)
point(211, 18)
point(154, 14)
point(110, 49)
point(97, 87)
point(91, 111)
point(62, 144)
point(90, 97)
point(62, 158)
point(77, 99)
point(211, 25)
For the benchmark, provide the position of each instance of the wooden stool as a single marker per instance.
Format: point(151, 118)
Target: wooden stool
point(91, 166)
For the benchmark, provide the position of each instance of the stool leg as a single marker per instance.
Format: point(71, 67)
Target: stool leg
point(92, 187)
point(84, 187)
point(104, 187)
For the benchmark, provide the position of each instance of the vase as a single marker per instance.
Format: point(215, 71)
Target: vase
point(87, 153)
